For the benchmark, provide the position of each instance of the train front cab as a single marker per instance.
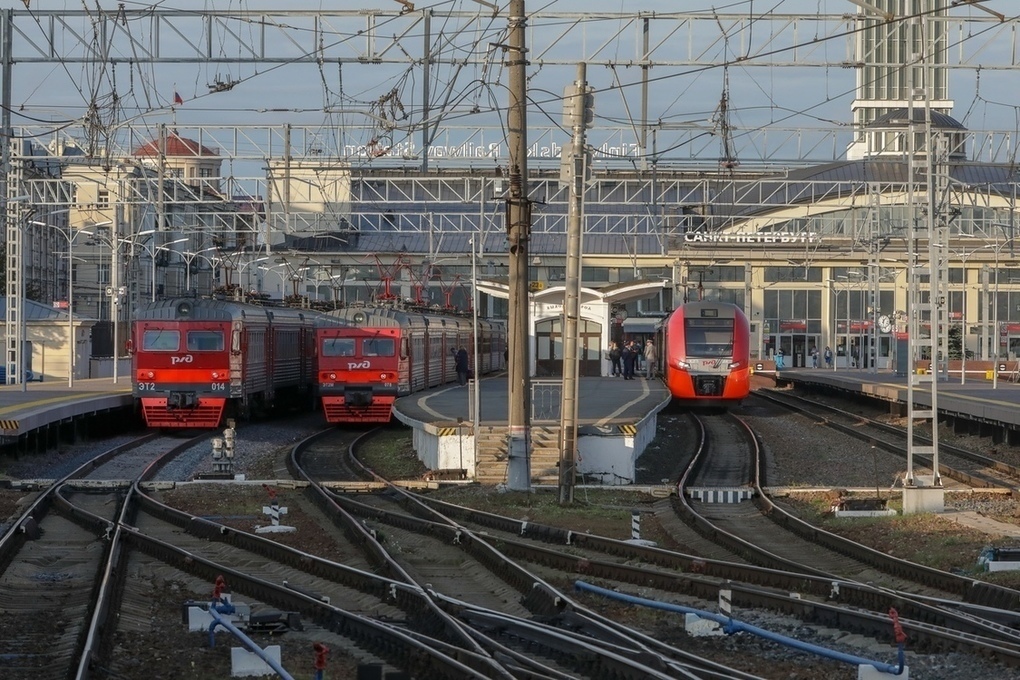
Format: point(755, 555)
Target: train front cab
point(710, 359)
point(181, 373)
point(359, 372)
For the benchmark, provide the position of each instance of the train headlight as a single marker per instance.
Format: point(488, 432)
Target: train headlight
point(382, 376)
point(734, 364)
point(680, 363)
point(151, 375)
point(332, 376)
point(215, 375)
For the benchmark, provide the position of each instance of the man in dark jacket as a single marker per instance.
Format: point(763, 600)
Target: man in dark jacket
point(461, 360)
point(629, 357)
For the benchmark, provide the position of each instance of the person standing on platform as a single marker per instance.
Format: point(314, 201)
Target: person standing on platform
point(629, 358)
point(828, 357)
point(615, 369)
point(650, 357)
point(814, 357)
point(461, 360)
point(779, 359)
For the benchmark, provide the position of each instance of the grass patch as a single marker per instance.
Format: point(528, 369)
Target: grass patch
point(390, 452)
point(604, 512)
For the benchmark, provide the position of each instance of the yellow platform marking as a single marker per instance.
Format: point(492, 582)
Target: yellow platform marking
point(74, 396)
point(9, 425)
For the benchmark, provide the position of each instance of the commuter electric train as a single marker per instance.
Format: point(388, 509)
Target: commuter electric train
point(381, 353)
point(706, 354)
point(195, 360)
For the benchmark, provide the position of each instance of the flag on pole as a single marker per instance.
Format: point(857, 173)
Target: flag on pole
point(178, 101)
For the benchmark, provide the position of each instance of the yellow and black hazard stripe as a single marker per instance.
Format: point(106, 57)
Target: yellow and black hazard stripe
point(447, 431)
point(9, 425)
point(628, 429)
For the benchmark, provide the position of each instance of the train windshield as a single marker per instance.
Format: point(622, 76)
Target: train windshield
point(709, 338)
point(378, 347)
point(338, 347)
point(205, 341)
point(161, 340)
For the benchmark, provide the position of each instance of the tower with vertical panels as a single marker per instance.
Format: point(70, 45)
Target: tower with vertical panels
point(885, 46)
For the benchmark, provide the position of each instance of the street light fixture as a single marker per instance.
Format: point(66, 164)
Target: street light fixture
point(151, 251)
point(188, 258)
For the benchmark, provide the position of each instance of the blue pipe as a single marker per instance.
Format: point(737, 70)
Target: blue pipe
point(731, 626)
point(215, 610)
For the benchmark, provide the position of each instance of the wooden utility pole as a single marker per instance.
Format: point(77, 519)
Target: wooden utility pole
point(519, 231)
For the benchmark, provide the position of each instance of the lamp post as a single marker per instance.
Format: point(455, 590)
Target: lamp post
point(69, 234)
point(151, 252)
point(476, 405)
point(188, 258)
point(835, 315)
point(964, 256)
point(996, 333)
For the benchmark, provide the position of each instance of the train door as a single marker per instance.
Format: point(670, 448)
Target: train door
point(798, 353)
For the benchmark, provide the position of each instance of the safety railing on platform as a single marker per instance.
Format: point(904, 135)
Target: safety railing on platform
point(546, 400)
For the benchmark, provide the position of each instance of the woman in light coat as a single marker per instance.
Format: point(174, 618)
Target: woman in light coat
point(650, 359)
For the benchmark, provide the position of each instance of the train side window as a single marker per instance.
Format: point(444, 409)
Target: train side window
point(161, 340)
point(338, 347)
point(378, 347)
point(205, 341)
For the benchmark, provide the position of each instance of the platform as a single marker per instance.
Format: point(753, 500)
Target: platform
point(27, 417)
point(616, 421)
point(974, 404)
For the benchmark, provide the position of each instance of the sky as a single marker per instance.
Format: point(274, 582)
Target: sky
point(781, 101)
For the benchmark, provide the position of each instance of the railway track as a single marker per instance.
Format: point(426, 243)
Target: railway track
point(56, 557)
point(969, 468)
point(985, 635)
point(408, 603)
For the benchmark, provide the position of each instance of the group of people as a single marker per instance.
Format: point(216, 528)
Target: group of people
point(623, 359)
point(826, 356)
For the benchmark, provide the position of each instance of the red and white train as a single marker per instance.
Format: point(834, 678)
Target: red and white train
point(705, 355)
point(381, 353)
point(195, 360)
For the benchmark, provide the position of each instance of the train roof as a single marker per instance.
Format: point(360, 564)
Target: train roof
point(208, 309)
point(395, 316)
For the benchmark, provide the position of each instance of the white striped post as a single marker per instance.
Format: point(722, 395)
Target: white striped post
point(726, 602)
point(635, 525)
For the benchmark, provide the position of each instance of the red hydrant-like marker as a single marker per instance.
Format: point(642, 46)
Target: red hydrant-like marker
point(321, 651)
point(898, 632)
point(218, 588)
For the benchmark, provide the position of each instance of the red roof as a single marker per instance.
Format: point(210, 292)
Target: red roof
point(176, 146)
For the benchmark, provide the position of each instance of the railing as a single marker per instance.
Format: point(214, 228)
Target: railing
point(546, 400)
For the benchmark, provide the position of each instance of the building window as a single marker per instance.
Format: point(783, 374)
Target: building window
point(104, 274)
point(103, 198)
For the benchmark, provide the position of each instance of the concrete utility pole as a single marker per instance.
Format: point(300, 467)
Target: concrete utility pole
point(577, 110)
point(519, 231)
